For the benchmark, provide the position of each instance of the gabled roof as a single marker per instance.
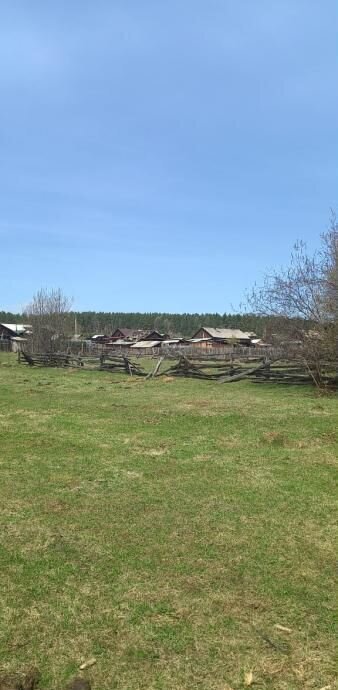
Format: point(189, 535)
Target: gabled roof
point(227, 333)
point(17, 328)
point(153, 335)
point(126, 332)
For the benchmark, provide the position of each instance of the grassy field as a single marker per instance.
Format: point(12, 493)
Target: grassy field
point(166, 528)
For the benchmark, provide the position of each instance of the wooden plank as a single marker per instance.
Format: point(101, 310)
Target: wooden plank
point(156, 369)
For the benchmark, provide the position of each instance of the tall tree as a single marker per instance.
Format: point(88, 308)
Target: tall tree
point(49, 314)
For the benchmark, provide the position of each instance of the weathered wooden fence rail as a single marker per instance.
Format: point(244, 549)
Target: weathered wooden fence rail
point(5, 345)
point(120, 364)
point(49, 359)
point(235, 368)
point(175, 352)
point(259, 371)
point(104, 362)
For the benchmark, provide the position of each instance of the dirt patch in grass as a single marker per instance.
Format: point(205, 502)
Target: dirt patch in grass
point(155, 452)
point(274, 438)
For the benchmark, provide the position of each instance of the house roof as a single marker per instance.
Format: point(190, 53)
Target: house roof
point(146, 343)
point(156, 334)
point(198, 340)
point(18, 328)
point(127, 332)
point(227, 333)
point(172, 341)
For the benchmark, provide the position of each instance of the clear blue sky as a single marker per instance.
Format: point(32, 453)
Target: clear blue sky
point(161, 155)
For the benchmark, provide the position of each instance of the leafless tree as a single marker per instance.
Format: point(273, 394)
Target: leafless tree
point(303, 299)
point(329, 268)
point(48, 312)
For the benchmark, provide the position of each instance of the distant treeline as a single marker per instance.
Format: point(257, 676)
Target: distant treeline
point(174, 324)
point(9, 317)
point(90, 322)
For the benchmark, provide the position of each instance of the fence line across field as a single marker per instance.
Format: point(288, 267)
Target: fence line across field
point(257, 369)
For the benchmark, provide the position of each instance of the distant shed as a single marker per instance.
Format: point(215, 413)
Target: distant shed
point(15, 335)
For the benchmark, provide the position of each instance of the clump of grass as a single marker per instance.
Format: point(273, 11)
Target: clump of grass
point(274, 438)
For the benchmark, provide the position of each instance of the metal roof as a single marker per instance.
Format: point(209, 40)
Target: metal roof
point(228, 333)
point(16, 327)
point(146, 343)
point(197, 340)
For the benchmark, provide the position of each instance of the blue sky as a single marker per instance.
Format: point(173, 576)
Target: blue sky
point(161, 155)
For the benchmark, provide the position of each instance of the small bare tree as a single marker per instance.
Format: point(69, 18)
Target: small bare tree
point(303, 299)
point(48, 312)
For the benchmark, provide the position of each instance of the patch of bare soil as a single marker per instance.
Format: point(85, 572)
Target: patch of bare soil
point(31, 678)
point(17, 681)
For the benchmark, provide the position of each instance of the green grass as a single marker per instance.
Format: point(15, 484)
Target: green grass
point(165, 528)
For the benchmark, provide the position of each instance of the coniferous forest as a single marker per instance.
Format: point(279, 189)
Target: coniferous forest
point(90, 322)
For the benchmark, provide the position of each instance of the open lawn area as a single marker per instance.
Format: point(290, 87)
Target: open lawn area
point(180, 532)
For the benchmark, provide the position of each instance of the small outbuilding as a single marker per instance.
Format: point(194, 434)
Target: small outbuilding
point(15, 335)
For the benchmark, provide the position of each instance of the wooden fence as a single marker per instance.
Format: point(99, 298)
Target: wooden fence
point(175, 352)
point(5, 345)
point(104, 362)
point(260, 370)
point(257, 369)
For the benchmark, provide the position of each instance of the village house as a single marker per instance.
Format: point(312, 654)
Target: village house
point(15, 335)
point(155, 335)
point(206, 337)
point(150, 345)
point(126, 334)
point(145, 345)
point(136, 339)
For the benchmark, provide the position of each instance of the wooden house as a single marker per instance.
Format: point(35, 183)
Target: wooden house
point(130, 334)
point(206, 337)
point(155, 335)
point(15, 335)
point(145, 345)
